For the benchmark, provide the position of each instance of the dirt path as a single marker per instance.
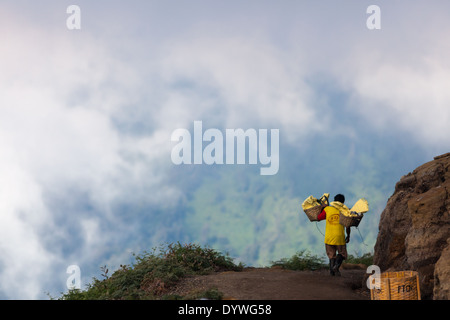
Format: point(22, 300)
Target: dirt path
point(280, 284)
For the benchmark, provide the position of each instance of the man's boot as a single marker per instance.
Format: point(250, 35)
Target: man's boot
point(332, 263)
point(337, 264)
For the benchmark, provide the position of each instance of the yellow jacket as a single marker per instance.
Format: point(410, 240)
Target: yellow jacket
point(334, 231)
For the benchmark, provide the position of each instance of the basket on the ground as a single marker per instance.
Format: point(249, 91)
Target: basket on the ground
point(399, 285)
point(352, 221)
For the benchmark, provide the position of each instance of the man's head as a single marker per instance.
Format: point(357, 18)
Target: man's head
point(339, 197)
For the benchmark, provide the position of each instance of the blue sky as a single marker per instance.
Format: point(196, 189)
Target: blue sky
point(86, 115)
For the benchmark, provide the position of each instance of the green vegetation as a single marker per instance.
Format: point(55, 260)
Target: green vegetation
point(302, 260)
point(366, 259)
point(155, 273)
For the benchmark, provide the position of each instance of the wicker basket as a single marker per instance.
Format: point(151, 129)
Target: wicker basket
point(313, 213)
point(349, 221)
point(400, 285)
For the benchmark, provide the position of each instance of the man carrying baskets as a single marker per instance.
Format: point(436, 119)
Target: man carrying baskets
point(335, 239)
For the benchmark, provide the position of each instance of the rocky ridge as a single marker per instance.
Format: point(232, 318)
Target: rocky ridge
point(414, 228)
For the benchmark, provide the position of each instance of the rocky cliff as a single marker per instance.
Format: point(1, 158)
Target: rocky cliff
point(414, 229)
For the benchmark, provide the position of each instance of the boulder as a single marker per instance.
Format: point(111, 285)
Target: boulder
point(414, 228)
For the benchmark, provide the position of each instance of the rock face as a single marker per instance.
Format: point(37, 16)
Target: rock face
point(414, 229)
point(442, 275)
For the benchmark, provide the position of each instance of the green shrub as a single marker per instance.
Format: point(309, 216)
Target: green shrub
point(366, 259)
point(302, 260)
point(154, 273)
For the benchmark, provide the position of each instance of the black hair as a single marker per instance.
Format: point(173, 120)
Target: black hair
point(339, 197)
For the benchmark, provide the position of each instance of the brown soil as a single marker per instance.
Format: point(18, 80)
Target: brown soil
point(280, 284)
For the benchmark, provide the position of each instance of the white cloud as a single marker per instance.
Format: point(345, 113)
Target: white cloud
point(401, 83)
point(24, 260)
point(246, 80)
point(57, 141)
